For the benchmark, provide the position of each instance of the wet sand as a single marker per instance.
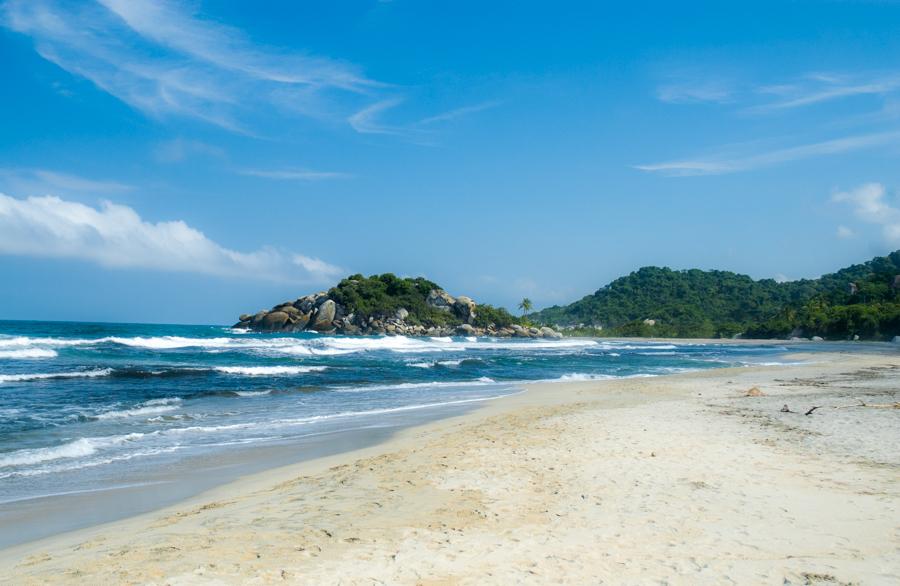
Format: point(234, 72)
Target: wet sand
point(678, 479)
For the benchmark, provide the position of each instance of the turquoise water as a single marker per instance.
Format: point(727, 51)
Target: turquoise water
point(86, 405)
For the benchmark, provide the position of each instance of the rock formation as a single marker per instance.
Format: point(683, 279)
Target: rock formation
point(320, 313)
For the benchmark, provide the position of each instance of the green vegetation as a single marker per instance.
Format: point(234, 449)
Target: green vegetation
point(693, 303)
point(525, 305)
point(486, 315)
point(380, 296)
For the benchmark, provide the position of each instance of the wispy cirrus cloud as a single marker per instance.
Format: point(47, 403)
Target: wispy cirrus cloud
point(818, 88)
point(293, 174)
point(729, 162)
point(180, 149)
point(695, 92)
point(164, 60)
point(755, 97)
point(457, 113)
point(870, 205)
point(115, 236)
point(368, 120)
point(40, 181)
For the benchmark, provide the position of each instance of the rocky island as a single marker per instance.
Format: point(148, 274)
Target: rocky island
point(390, 305)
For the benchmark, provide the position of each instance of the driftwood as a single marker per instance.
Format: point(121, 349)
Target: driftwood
point(860, 404)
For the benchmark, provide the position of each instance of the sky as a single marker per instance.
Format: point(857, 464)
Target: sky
point(186, 162)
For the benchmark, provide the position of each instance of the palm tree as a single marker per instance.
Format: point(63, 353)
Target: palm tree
point(526, 306)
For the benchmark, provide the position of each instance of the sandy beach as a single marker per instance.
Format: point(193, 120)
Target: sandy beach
point(682, 479)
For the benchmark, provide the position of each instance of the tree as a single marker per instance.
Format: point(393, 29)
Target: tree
point(525, 305)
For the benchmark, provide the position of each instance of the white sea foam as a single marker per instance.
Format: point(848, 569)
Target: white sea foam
point(252, 393)
point(447, 363)
point(54, 375)
point(28, 353)
point(24, 347)
point(79, 448)
point(153, 407)
point(632, 346)
point(479, 382)
point(269, 370)
point(580, 376)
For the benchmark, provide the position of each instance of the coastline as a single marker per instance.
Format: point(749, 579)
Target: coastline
point(441, 496)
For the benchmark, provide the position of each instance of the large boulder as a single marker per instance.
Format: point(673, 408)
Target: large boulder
point(324, 316)
point(274, 320)
point(465, 330)
point(465, 308)
point(304, 304)
point(300, 321)
point(440, 299)
point(402, 314)
point(550, 333)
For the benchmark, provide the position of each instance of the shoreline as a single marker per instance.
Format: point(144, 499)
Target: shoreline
point(32, 519)
point(229, 507)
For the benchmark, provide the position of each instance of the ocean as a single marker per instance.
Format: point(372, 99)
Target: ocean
point(88, 407)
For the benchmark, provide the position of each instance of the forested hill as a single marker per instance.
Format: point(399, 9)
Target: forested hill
point(657, 301)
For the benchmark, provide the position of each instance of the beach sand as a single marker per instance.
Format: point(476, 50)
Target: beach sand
point(672, 480)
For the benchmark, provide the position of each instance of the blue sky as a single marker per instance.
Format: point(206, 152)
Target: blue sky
point(189, 161)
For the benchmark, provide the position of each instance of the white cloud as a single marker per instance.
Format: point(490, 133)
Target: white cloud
point(116, 236)
point(45, 180)
point(818, 88)
point(694, 92)
point(314, 266)
point(161, 59)
point(181, 149)
point(367, 120)
point(843, 232)
point(459, 112)
point(869, 202)
point(729, 163)
point(293, 174)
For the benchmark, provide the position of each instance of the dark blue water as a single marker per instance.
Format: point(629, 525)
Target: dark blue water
point(87, 405)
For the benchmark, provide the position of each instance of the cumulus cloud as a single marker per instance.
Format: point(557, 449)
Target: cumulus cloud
point(870, 205)
point(115, 236)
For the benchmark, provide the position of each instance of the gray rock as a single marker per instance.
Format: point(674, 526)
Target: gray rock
point(274, 320)
point(402, 314)
point(550, 333)
point(245, 317)
point(466, 330)
point(323, 317)
point(817, 339)
point(440, 299)
point(304, 304)
point(465, 308)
